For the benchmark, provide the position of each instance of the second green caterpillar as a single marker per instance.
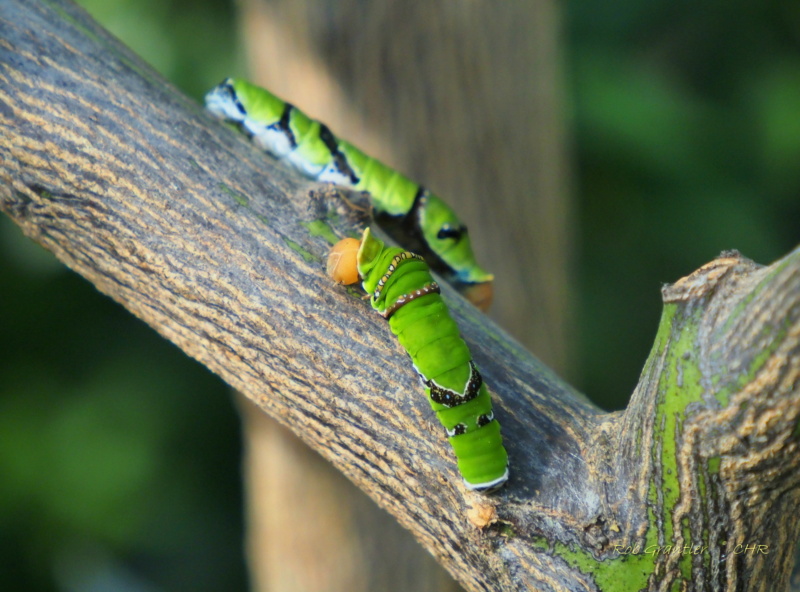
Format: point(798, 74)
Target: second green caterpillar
point(403, 291)
point(416, 217)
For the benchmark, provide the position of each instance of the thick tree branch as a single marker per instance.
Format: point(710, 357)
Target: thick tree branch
point(221, 250)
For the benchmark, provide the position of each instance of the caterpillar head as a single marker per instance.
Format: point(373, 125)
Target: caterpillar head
point(447, 236)
point(342, 266)
point(350, 259)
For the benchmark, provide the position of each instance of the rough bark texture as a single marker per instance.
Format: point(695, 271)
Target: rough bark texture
point(464, 97)
point(310, 529)
point(440, 98)
point(217, 248)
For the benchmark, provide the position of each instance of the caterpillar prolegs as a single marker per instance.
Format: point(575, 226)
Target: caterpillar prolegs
point(412, 214)
point(402, 289)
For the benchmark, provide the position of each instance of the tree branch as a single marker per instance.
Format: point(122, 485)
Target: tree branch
point(221, 251)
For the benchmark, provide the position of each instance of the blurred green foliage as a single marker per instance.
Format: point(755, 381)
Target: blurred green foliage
point(686, 138)
point(119, 456)
point(686, 134)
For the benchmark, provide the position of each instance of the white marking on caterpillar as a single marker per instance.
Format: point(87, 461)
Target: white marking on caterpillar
point(396, 260)
point(450, 398)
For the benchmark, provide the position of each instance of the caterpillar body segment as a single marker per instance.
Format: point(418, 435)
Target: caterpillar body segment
point(410, 212)
point(402, 289)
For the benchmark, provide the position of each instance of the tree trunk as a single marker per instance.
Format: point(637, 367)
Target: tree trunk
point(447, 116)
point(186, 224)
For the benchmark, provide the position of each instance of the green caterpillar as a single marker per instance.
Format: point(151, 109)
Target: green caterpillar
point(402, 289)
point(412, 214)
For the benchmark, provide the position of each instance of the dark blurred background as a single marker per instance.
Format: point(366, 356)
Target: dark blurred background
point(685, 138)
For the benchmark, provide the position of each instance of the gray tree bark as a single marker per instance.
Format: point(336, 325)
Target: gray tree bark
point(693, 487)
point(437, 90)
